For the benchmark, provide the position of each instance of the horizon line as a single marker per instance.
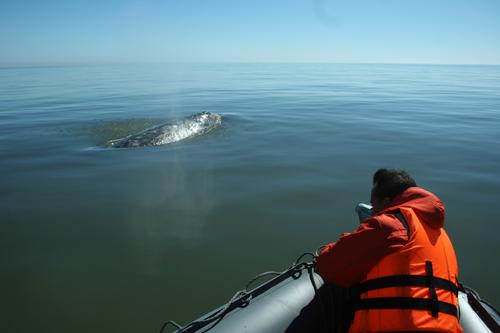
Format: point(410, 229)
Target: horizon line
point(125, 63)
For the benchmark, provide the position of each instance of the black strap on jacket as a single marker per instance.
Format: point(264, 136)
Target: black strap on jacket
point(405, 281)
point(429, 277)
point(429, 280)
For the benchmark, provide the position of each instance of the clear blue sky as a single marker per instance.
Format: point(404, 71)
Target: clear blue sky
point(36, 32)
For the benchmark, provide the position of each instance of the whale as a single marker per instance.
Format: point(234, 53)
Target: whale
point(182, 129)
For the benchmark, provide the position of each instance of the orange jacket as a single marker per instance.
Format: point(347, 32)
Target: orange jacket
point(415, 287)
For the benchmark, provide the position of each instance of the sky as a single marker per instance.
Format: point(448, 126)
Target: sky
point(50, 32)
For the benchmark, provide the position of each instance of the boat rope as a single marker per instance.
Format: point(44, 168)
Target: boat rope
point(261, 275)
point(243, 297)
point(170, 322)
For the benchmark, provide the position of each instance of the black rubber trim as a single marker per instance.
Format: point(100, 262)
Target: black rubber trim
point(478, 308)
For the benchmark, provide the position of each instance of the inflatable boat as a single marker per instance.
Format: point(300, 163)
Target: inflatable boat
point(298, 300)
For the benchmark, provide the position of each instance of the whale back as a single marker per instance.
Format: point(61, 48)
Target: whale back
point(195, 125)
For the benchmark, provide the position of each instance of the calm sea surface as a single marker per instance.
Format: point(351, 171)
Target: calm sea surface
point(100, 239)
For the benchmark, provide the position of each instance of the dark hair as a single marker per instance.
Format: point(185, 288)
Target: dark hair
point(388, 183)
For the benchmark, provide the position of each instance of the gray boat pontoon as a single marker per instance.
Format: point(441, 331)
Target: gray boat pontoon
point(298, 300)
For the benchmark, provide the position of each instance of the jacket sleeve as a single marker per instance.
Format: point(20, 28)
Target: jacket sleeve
point(347, 261)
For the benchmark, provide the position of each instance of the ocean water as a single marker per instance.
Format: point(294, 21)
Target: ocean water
point(104, 239)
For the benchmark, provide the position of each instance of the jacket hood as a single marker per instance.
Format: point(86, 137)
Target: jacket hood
point(428, 207)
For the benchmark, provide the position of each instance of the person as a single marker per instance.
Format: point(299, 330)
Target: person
point(399, 264)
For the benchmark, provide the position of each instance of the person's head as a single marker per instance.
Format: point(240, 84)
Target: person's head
point(387, 184)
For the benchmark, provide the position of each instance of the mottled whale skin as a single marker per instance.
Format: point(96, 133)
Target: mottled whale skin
point(197, 124)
